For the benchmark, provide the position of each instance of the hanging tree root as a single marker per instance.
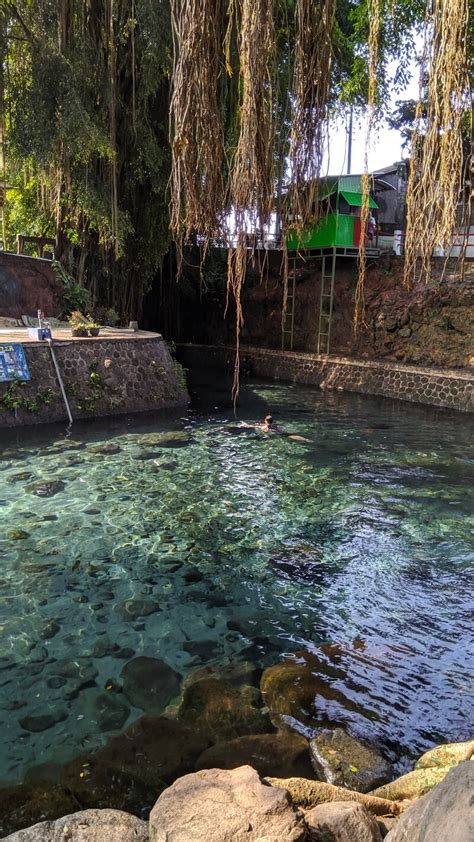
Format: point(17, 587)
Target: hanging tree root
point(252, 171)
point(305, 793)
point(435, 183)
point(375, 24)
point(196, 135)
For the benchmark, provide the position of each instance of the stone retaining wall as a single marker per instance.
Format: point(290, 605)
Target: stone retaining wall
point(440, 387)
point(101, 377)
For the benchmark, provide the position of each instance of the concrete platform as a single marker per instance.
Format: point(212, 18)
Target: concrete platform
point(20, 334)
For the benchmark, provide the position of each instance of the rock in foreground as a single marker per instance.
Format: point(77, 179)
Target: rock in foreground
point(443, 814)
point(224, 806)
point(86, 826)
point(342, 821)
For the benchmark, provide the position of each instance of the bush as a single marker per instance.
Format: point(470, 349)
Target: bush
point(70, 296)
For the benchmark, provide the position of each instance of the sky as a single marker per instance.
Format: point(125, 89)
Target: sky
point(385, 147)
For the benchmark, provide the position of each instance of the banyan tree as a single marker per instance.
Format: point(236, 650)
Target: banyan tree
point(210, 175)
point(135, 122)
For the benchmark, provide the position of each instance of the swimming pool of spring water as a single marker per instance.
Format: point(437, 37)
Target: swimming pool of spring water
point(196, 542)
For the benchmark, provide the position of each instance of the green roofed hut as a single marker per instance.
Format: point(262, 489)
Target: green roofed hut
point(338, 234)
point(339, 226)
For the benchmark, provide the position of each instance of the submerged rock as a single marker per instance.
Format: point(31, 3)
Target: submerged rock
point(222, 712)
point(237, 674)
point(203, 650)
point(344, 761)
point(149, 683)
point(299, 564)
point(87, 826)
point(50, 629)
point(105, 449)
point(218, 805)
point(47, 488)
point(342, 821)
point(17, 534)
point(155, 749)
point(42, 721)
point(174, 438)
point(94, 783)
point(21, 476)
point(283, 755)
point(145, 455)
point(131, 609)
point(302, 687)
point(65, 446)
point(21, 805)
point(72, 676)
point(80, 669)
point(110, 711)
point(444, 814)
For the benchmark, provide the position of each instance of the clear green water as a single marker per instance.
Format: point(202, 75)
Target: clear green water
point(362, 537)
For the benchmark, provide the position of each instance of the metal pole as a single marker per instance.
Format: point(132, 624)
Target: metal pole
point(349, 141)
point(60, 380)
point(293, 293)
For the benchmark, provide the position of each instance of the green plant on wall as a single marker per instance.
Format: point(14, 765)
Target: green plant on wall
point(181, 374)
point(88, 395)
point(13, 399)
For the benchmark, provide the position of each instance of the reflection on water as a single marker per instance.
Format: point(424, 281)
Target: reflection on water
point(185, 542)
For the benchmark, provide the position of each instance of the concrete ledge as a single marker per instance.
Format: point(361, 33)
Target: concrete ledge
point(102, 376)
point(450, 388)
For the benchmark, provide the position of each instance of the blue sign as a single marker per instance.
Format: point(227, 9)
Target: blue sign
point(13, 365)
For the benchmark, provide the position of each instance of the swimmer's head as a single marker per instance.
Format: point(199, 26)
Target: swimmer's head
point(268, 420)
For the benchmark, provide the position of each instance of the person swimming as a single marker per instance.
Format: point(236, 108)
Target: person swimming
point(266, 426)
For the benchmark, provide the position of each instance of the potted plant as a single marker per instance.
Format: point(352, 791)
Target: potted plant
point(78, 323)
point(92, 326)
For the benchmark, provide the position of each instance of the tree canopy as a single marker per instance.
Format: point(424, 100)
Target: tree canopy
point(88, 87)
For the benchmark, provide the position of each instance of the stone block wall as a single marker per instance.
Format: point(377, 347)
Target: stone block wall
point(450, 388)
point(101, 377)
point(27, 284)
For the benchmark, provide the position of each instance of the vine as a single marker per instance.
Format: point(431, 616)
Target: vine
point(12, 398)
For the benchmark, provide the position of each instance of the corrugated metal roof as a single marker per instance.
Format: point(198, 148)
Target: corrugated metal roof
point(355, 199)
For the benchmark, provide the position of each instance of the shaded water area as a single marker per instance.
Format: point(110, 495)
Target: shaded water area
point(346, 560)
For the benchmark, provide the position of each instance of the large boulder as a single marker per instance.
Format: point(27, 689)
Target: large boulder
point(86, 826)
point(283, 754)
point(218, 805)
point(344, 761)
point(445, 813)
point(341, 821)
point(449, 754)
point(221, 711)
point(149, 683)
